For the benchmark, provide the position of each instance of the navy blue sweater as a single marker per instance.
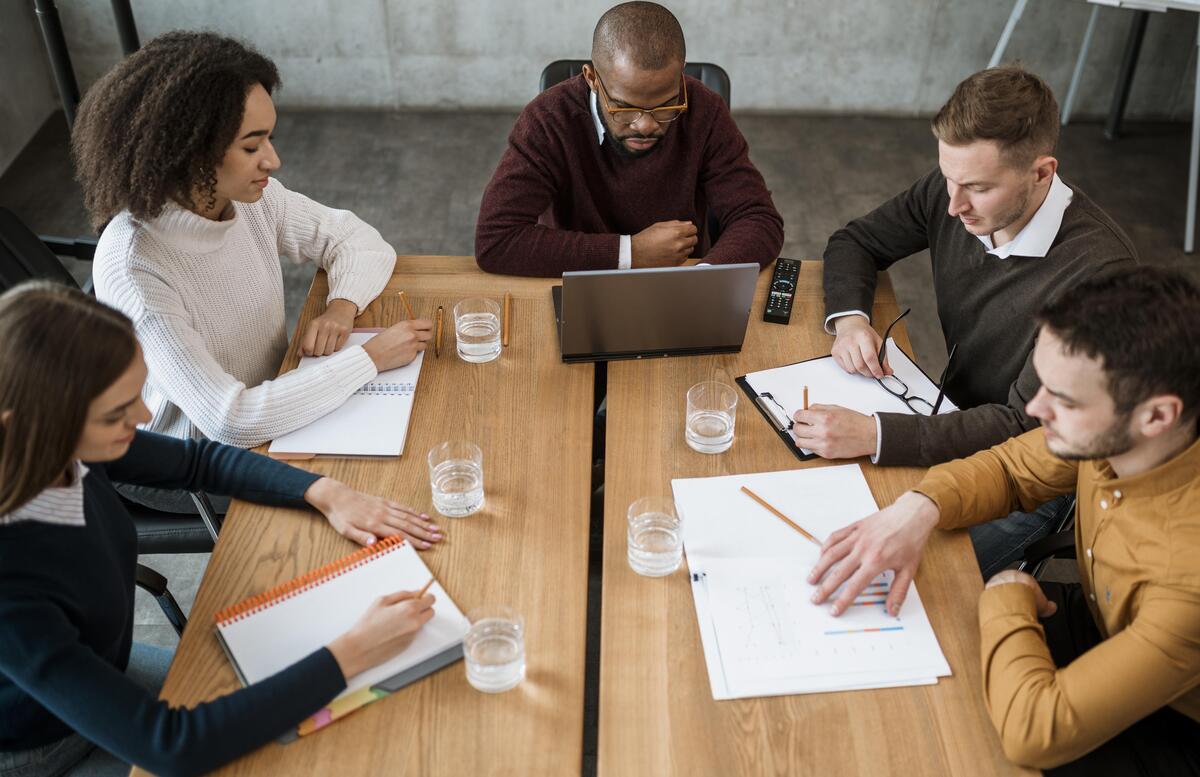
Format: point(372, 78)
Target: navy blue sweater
point(66, 605)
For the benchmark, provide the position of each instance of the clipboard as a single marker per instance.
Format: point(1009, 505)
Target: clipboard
point(855, 392)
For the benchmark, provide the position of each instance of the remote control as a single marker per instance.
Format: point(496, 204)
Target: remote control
point(782, 291)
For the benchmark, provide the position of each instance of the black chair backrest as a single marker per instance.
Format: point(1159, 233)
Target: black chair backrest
point(23, 255)
point(712, 76)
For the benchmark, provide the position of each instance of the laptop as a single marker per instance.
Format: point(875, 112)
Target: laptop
point(671, 311)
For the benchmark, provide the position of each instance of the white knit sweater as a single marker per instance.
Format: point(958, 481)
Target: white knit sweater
point(206, 298)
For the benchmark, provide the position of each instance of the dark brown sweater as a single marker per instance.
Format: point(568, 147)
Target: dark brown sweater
point(559, 200)
point(986, 306)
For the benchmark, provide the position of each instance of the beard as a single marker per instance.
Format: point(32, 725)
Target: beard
point(1113, 441)
point(1010, 216)
point(618, 147)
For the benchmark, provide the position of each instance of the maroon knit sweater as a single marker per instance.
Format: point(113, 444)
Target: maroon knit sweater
point(560, 200)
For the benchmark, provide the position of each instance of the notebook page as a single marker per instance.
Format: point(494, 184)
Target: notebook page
point(280, 635)
point(372, 422)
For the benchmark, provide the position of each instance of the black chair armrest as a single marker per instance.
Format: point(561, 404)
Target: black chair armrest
point(1059, 545)
point(153, 583)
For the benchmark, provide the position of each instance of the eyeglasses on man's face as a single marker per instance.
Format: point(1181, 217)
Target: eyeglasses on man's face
point(663, 114)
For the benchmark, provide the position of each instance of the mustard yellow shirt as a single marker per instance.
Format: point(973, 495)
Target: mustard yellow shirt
point(1137, 541)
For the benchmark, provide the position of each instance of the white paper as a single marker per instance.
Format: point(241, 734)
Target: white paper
point(278, 636)
point(372, 422)
point(829, 384)
point(761, 634)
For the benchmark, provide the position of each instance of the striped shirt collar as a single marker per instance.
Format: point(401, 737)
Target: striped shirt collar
point(62, 506)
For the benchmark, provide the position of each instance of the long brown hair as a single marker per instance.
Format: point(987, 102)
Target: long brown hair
point(59, 350)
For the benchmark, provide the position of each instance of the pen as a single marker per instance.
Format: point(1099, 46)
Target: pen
point(505, 327)
point(407, 307)
point(942, 382)
point(437, 343)
point(806, 397)
point(780, 515)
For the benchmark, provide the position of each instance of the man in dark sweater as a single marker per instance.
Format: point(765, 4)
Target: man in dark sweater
point(624, 165)
point(1004, 233)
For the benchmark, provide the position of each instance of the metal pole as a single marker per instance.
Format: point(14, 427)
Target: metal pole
point(1133, 47)
point(1189, 235)
point(1002, 44)
point(126, 28)
point(60, 58)
point(1077, 76)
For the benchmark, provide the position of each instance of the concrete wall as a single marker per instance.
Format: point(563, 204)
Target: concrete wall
point(859, 56)
point(27, 92)
point(848, 56)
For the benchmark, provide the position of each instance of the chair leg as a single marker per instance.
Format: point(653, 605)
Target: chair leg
point(1077, 75)
point(1189, 231)
point(1002, 44)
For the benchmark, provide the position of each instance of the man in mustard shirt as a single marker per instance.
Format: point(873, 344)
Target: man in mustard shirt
point(1100, 676)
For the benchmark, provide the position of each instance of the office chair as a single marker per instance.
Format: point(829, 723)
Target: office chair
point(24, 256)
point(1060, 543)
point(712, 76)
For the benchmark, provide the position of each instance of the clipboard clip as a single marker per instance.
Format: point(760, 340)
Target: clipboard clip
point(775, 411)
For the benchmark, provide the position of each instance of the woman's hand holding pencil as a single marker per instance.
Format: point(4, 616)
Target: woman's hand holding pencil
point(385, 629)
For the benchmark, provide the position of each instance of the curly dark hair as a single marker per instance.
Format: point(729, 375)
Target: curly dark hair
point(155, 127)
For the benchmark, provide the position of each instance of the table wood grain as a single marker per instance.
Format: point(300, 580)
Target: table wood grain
point(532, 416)
point(657, 714)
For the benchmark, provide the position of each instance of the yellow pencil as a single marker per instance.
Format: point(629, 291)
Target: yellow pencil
point(806, 397)
point(505, 327)
point(425, 588)
point(779, 515)
point(407, 307)
point(437, 343)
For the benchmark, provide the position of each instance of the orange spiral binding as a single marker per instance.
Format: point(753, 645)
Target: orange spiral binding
point(305, 582)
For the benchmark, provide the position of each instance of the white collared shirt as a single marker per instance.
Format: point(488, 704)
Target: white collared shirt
point(60, 505)
point(625, 253)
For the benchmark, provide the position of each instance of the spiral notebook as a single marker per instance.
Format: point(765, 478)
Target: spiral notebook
point(273, 630)
point(372, 422)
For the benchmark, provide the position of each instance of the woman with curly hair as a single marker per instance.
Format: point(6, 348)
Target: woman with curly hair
point(77, 695)
point(173, 148)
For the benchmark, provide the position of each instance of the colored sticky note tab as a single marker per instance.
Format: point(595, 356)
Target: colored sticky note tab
point(340, 708)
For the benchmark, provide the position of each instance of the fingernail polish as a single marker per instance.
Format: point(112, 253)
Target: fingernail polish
point(835, 610)
point(371, 540)
point(813, 598)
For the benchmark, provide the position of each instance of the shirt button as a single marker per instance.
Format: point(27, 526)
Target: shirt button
point(1117, 496)
point(1103, 504)
point(1092, 596)
point(1089, 552)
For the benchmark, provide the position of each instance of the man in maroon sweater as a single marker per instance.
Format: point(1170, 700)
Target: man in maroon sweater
point(623, 165)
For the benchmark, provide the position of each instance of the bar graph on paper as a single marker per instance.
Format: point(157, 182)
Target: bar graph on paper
point(767, 629)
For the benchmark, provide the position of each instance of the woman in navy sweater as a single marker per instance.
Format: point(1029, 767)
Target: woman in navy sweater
point(71, 376)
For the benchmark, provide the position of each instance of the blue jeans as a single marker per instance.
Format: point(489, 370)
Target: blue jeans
point(74, 756)
point(1001, 543)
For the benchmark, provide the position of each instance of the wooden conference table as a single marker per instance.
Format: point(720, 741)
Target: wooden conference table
point(532, 416)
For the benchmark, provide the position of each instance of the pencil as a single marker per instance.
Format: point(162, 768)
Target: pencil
point(806, 397)
point(505, 326)
point(424, 588)
point(779, 515)
point(437, 343)
point(407, 307)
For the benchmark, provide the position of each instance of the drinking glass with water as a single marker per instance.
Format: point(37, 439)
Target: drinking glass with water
point(494, 649)
point(477, 329)
point(711, 413)
point(456, 478)
point(655, 537)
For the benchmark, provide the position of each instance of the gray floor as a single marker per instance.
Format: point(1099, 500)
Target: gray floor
point(418, 178)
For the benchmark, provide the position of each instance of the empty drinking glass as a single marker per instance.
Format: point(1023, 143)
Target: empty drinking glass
point(456, 478)
point(477, 329)
point(711, 413)
point(655, 537)
point(494, 649)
